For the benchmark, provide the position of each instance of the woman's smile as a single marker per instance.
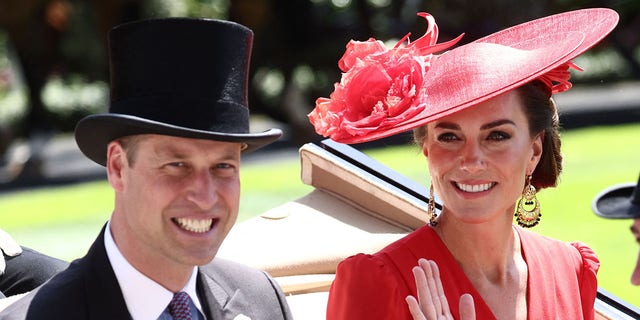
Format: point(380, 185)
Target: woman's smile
point(474, 187)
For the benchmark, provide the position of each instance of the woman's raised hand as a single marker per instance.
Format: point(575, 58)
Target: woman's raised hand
point(432, 303)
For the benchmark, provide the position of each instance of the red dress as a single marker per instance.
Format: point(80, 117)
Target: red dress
point(562, 279)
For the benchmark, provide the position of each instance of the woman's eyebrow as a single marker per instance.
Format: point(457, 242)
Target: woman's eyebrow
point(496, 123)
point(448, 125)
point(492, 124)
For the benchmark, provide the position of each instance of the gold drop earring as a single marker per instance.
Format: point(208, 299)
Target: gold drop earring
point(528, 208)
point(431, 208)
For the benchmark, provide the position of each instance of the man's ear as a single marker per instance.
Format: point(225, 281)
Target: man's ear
point(116, 162)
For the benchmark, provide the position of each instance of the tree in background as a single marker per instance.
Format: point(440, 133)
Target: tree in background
point(298, 43)
point(58, 49)
point(53, 42)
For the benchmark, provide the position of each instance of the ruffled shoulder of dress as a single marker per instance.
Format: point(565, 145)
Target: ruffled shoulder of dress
point(590, 261)
point(362, 260)
point(365, 273)
point(577, 250)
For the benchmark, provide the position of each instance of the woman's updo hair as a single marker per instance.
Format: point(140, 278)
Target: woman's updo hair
point(542, 114)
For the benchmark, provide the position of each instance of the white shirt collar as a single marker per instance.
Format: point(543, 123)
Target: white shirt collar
point(145, 298)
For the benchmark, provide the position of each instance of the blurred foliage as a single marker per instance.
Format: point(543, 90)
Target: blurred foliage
point(54, 67)
point(296, 47)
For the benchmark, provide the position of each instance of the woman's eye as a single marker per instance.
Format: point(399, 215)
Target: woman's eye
point(446, 137)
point(498, 136)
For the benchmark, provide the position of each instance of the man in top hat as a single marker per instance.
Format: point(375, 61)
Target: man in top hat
point(622, 202)
point(171, 144)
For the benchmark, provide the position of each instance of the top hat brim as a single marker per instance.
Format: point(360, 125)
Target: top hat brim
point(93, 133)
point(615, 202)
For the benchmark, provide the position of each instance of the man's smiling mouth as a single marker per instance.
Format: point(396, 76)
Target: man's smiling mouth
point(194, 225)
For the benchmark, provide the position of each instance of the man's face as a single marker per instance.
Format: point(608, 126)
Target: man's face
point(635, 230)
point(175, 201)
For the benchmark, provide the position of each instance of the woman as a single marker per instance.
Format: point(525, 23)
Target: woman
point(483, 115)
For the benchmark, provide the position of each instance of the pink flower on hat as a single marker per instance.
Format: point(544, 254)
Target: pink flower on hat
point(557, 80)
point(380, 87)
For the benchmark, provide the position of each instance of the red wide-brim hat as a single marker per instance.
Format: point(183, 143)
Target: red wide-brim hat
point(385, 92)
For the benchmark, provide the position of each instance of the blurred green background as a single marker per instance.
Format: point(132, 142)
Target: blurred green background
point(54, 70)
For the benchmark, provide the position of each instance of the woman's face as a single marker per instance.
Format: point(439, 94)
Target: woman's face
point(478, 158)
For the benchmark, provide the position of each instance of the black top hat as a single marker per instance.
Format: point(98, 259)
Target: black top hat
point(182, 77)
point(619, 202)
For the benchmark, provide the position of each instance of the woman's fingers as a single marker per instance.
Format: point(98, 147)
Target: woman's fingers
point(467, 308)
point(414, 308)
point(436, 286)
point(431, 298)
point(425, 300)
point(432, 302)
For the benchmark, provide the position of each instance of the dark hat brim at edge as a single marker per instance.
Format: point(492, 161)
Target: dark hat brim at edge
point(615, 202)
point(93, 133)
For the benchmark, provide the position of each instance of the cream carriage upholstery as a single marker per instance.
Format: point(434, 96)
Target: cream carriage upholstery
point(301, 242)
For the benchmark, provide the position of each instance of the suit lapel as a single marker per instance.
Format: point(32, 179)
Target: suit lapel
point(104, 296)
point(211, 301)
point(105, 300)
point(219, 301)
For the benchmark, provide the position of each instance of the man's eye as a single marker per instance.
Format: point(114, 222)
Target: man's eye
point(226, 166)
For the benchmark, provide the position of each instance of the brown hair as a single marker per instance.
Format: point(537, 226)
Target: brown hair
point(130, 146)
point(542, 115)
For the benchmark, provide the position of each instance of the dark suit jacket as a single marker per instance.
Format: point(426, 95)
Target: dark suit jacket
point(88, 289)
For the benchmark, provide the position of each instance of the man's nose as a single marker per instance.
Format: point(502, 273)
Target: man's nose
point(203, 189)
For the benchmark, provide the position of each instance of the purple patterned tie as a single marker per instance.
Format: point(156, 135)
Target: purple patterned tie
point(179, 306)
